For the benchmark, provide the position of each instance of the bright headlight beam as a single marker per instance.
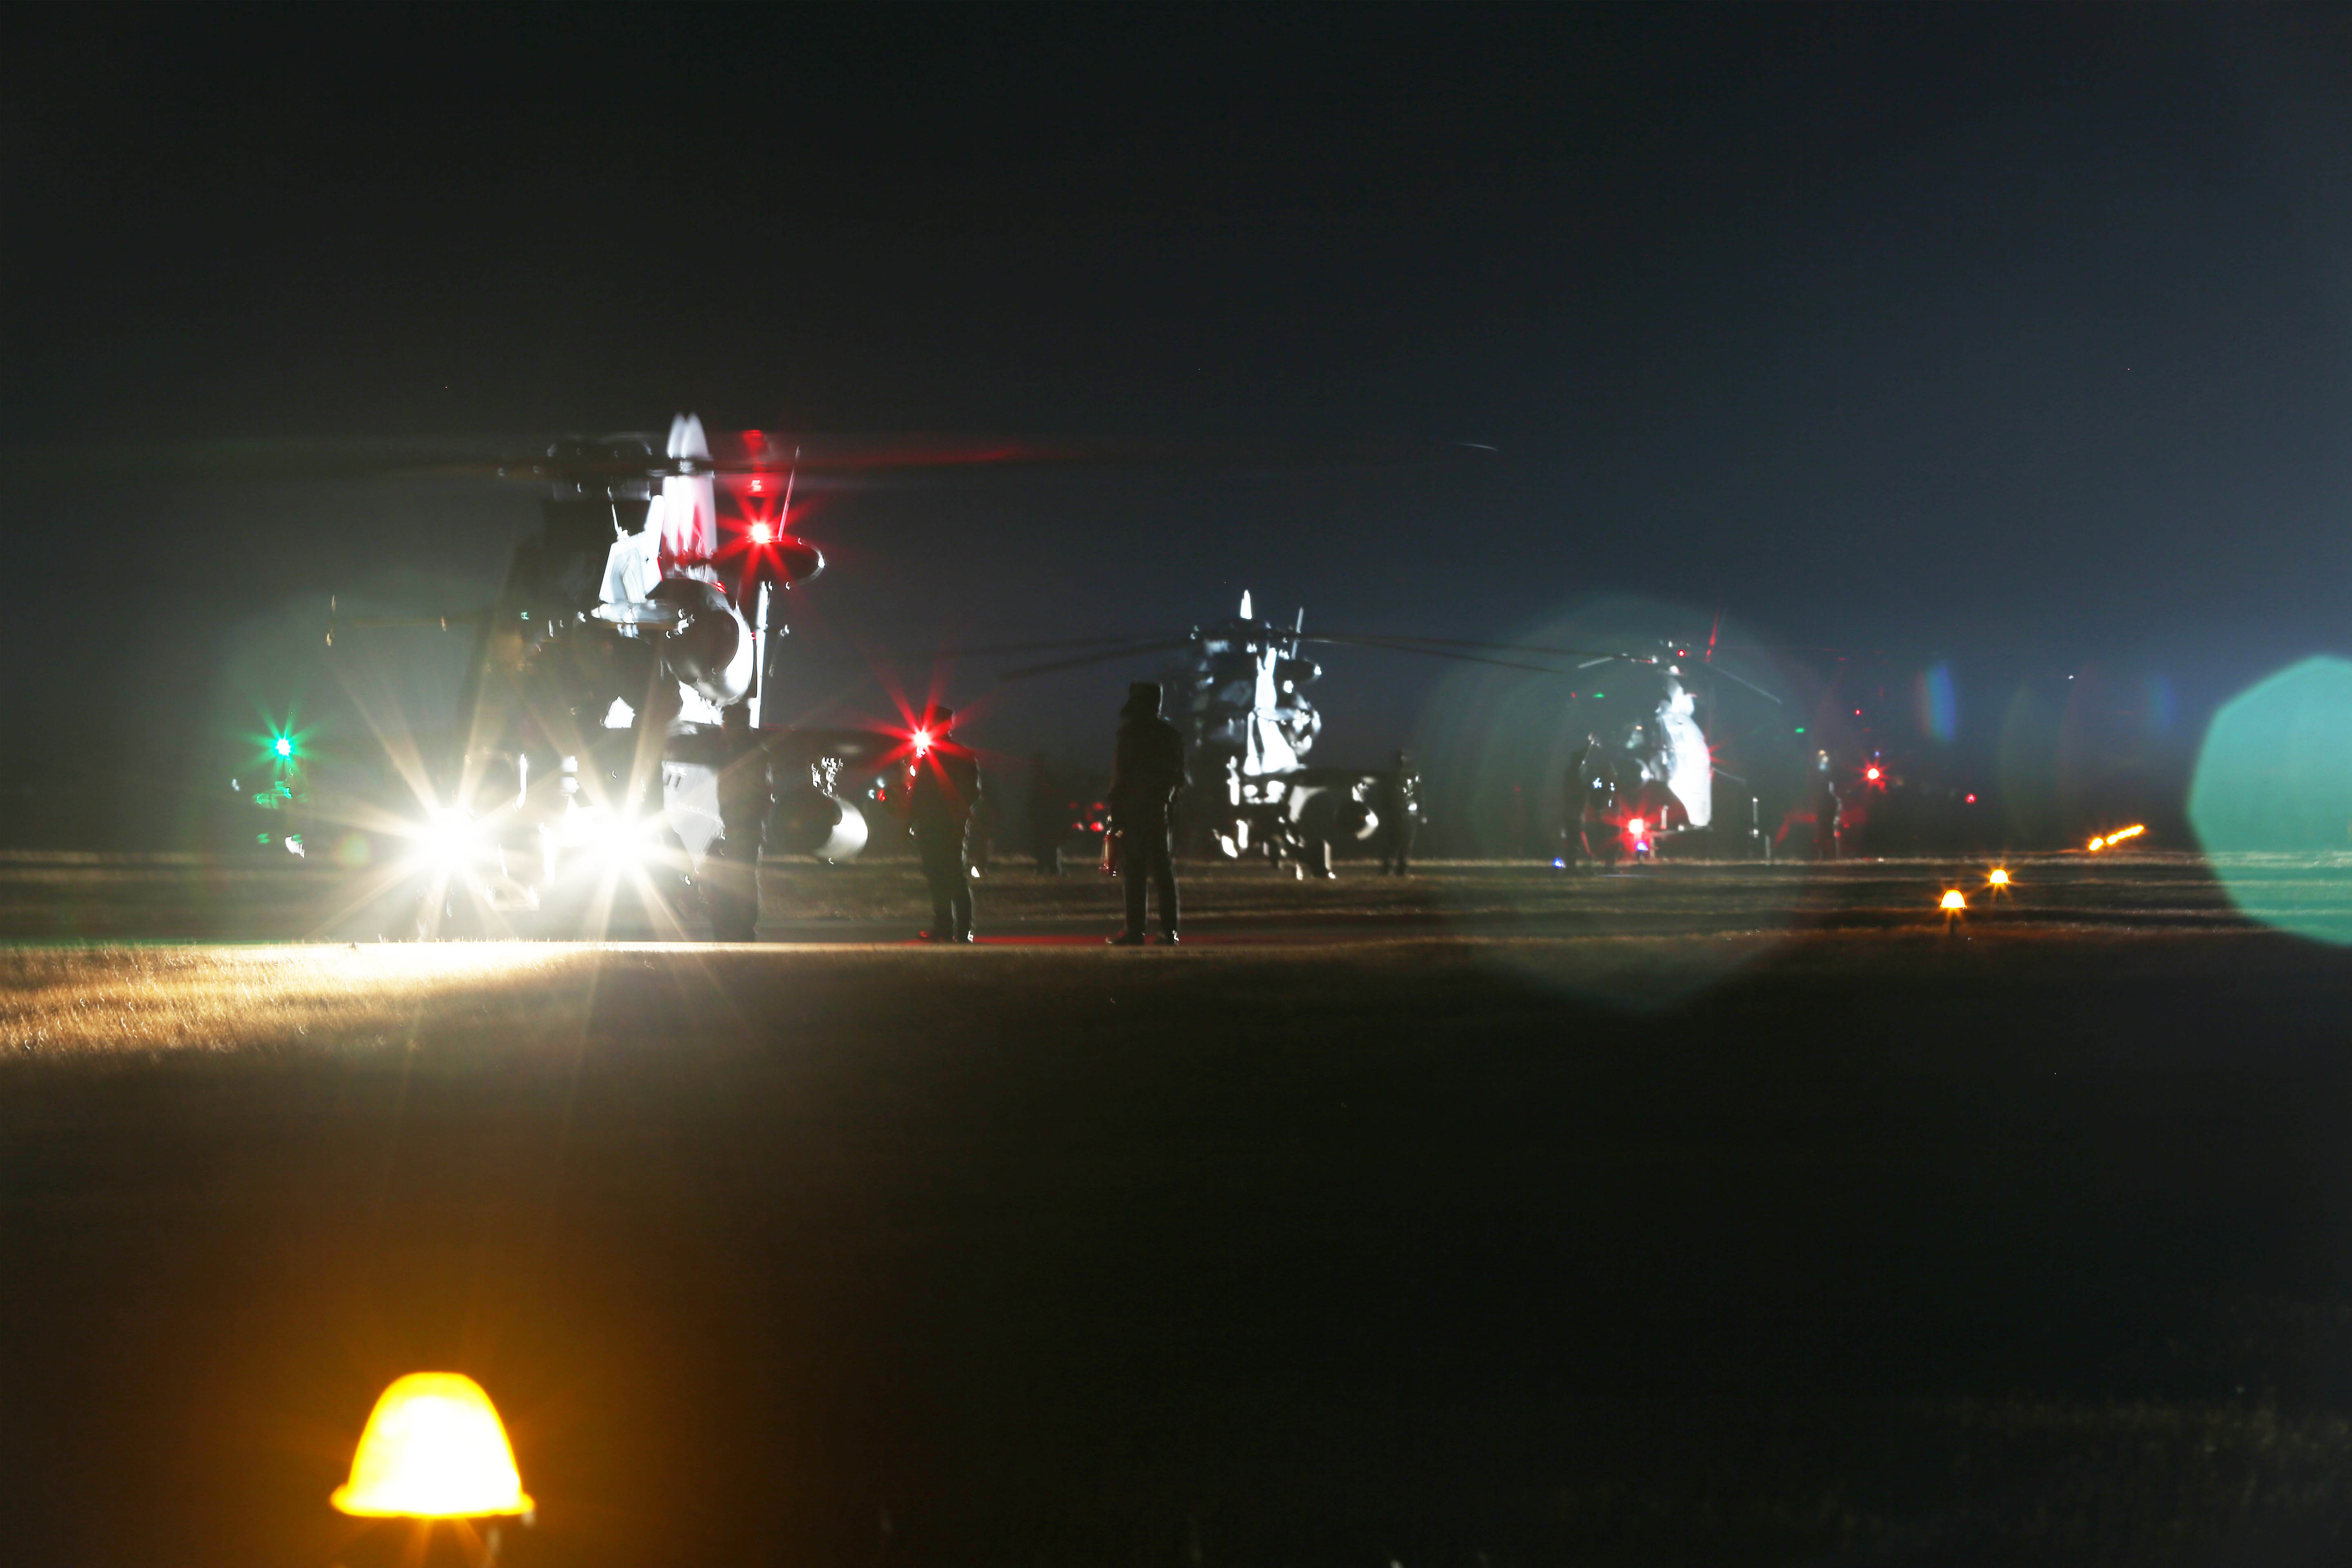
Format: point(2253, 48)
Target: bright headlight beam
point(451, 837)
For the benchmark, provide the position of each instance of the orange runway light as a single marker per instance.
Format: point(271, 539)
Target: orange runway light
point(1953, 903)
point(1998, 878)
point(433, 1448)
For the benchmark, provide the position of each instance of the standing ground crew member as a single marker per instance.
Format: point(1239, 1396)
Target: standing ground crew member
point(942, 790)
point(1147, 775)
point(1399, 815)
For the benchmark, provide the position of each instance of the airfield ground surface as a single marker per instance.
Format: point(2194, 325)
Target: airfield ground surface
point(1716, 1214)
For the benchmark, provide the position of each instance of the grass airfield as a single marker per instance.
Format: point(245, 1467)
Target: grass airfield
point(1702, 1215)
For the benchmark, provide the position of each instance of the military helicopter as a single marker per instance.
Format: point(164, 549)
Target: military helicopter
point(1644, 777)
point(618, 740)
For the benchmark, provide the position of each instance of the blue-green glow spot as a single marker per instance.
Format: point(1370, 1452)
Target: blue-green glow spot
point(2272, 799)
point(1938, 708)
point(285, 747)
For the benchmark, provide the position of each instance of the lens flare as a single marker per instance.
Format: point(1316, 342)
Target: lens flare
point(625, 841)
point(2271, 799)
point(1998, 878)
point(451, 837)
point(1953, 903)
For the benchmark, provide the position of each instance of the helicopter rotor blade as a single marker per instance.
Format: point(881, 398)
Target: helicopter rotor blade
point(1463, 642)
point(1743, 680)
point(822, 458)
point(1590, 658)
point(1390, 645)
point(1162, 644)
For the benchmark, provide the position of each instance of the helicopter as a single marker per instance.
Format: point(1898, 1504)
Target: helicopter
point(618, 740)
point(1238, 696)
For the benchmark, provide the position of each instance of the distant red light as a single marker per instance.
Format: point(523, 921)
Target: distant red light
point(762, 533)
point(1870, 773)
point(1972, 800)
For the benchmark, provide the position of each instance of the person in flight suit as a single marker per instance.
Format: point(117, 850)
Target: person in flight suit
point(943, 790)
point(1400, 810)
point(1147, 775)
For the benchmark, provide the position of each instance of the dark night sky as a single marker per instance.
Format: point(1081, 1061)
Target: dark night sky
point(2022, 337)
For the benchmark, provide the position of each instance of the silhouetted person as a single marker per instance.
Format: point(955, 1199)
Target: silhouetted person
point(942, 795)
point(1049, 816)
point(1826, 804)
point(1578, 794)
point(1147, 775)
point(1400, 809)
